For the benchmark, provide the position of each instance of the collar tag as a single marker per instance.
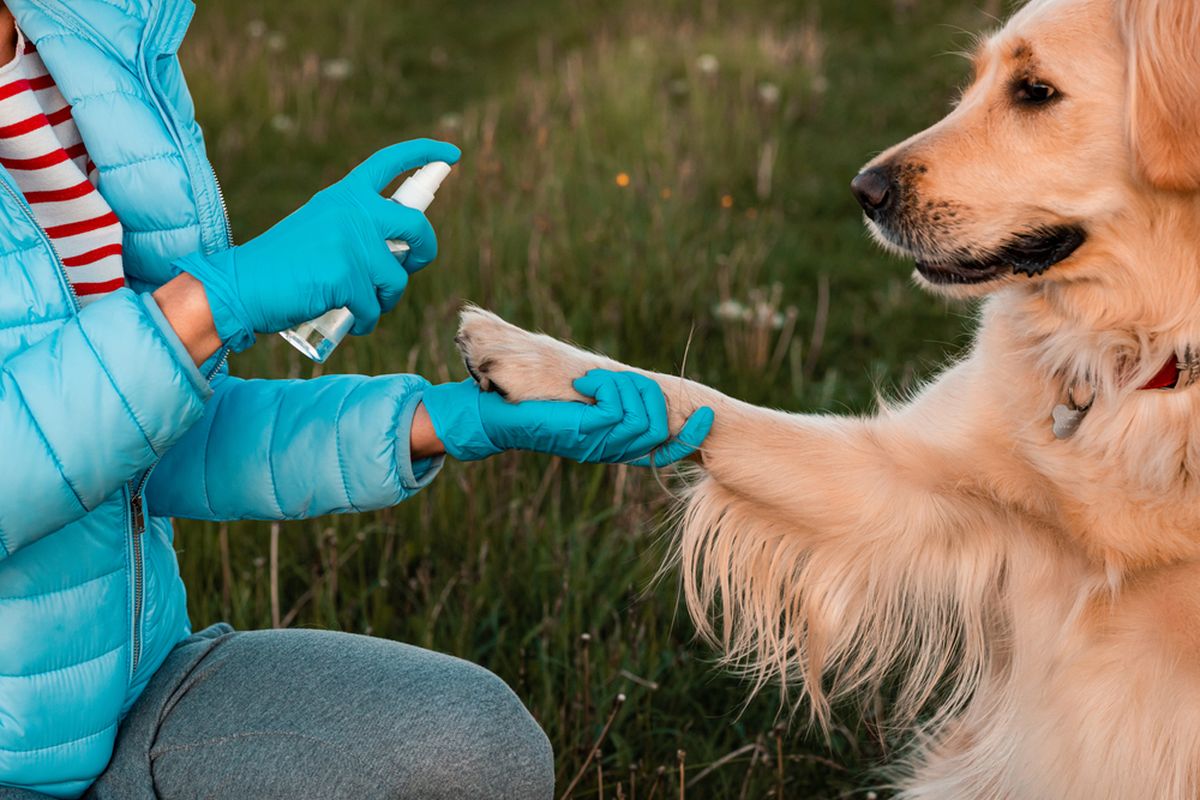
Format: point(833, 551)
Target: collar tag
point(1067, 420)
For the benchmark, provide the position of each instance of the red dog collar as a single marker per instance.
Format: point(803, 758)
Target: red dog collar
point(1179, 372)
point(1167, 377)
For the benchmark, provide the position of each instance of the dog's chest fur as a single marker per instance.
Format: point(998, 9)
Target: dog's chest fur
point(1125, 486)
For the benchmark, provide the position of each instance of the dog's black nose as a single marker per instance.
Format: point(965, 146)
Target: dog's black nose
point(874, 189)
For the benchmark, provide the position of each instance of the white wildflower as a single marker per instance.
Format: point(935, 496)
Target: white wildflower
point(768, 93)
point(708, 64)
point(283, 123)
point(337, 69)
point(730, 311)
point(451, 121)
point(256, 28)
point(276, 41)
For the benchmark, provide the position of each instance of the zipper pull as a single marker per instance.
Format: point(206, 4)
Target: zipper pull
point(139, 518)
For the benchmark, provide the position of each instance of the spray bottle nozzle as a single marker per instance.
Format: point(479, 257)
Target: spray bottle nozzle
point(418, 189)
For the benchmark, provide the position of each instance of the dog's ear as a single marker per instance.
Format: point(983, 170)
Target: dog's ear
point(1162, 38)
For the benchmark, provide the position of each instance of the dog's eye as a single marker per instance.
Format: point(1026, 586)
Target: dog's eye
point(1032, 93)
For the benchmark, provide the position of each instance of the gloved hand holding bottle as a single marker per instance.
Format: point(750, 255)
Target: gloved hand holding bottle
point(627, 423)
point(331, 252)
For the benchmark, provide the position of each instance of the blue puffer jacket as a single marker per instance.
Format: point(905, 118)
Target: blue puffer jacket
point(91, 401)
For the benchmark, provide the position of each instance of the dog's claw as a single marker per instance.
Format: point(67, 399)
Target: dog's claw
point(479, 373)
point(471, 370)
point(486, 383)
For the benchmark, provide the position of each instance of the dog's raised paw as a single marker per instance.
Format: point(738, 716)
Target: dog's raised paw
point(481, 336)
point(515, 363)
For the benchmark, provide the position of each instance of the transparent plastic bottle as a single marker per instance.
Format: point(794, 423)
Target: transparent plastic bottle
point(318, 337)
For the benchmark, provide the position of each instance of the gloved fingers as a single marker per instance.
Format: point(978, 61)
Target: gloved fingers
point(629, 436)
point(654, 404)
point(365, 318)
point(387, 274)
point(397, 222)
point(390, 282)
point(689, 440)
point(609, 410)
point(364, 305)
point(381, 167)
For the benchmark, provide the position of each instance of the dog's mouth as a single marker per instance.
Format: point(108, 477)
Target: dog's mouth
point(1028, 254)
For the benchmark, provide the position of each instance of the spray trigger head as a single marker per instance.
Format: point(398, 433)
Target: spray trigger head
point(418, 189)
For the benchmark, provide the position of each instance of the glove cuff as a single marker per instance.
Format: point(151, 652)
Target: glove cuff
point(234, 327)
point(454, 411)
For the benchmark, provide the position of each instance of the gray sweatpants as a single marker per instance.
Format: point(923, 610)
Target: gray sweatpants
point(295, 714)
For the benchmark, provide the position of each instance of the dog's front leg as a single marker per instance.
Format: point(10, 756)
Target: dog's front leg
point(834, 546)
point(907, 468)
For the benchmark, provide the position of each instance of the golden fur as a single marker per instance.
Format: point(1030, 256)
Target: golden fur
point(1048, 590)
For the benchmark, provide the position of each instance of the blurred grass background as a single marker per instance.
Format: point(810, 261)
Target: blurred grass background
point(634, 174)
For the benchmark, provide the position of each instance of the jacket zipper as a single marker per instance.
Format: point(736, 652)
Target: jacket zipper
point(137, 519)
point(137, 524)
point(224, 213)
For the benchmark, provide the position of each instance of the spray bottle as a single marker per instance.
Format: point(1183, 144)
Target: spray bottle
point(318, 337)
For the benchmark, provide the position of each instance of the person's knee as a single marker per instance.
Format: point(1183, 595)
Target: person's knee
point(481, 743)
point(517, 757)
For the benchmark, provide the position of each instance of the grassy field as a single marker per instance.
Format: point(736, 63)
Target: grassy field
point(634, 174)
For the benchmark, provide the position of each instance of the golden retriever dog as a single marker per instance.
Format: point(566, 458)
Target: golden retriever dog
point(1016, 550)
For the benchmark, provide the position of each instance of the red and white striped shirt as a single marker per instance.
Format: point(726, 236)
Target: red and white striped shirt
point(43, 151)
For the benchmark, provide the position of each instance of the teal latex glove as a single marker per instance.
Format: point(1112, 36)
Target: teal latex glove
point(627, 424)
point(331, 252)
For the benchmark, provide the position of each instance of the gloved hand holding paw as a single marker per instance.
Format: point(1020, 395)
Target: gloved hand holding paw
point(627, 424)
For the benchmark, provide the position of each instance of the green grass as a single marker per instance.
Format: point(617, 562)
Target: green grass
point(539, 569)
